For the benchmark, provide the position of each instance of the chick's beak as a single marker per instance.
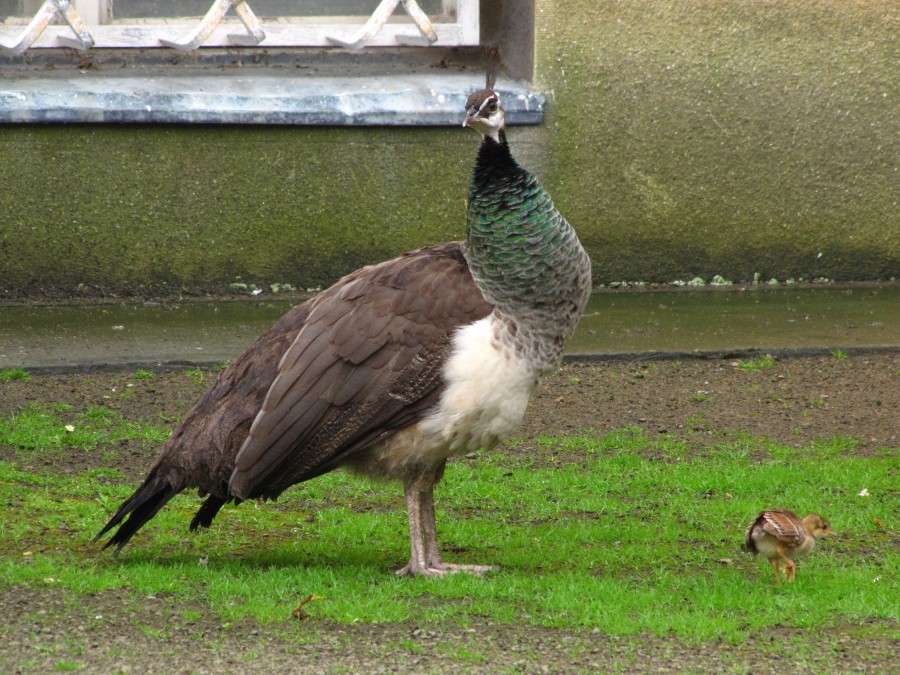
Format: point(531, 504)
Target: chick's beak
point(471, 114)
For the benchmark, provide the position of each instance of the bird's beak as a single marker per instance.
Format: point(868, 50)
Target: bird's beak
point(471, 114)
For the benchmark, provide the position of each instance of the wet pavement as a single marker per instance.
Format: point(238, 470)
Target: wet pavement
point(681, 322)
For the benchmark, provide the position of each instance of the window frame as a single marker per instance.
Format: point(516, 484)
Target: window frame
point(87, 24)
point(389, 86)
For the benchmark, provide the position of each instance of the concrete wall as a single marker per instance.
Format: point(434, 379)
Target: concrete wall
point(725, 137)
point(123, 210)
point(681, 139)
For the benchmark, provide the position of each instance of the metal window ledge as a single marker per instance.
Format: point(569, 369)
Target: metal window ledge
point(391, 100)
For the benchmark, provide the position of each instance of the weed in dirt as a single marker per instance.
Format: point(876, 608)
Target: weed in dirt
point(144, 374)
point(410, 646)
point(196, 375)
point(630, 535)
point(14, 374)
point(759, 363)
point(66, 666)
point(468, 653)
point(696, 422)
point(840, 354)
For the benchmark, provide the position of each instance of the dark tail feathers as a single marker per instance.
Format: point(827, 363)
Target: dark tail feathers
point(142, 506)
point(208, 511)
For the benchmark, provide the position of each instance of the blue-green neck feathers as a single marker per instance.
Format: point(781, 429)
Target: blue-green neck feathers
point(524, 256)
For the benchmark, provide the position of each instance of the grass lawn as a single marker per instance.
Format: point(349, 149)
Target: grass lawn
point(618, 532)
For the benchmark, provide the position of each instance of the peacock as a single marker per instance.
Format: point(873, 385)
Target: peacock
point(396, 367)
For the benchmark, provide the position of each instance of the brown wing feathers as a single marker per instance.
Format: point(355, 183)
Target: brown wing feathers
point(355, 363)
point(200, 453)
point(782, 524)
point(352, 376)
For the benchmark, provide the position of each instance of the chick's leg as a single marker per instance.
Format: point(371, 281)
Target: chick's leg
point(789, 569)
point(788, 563)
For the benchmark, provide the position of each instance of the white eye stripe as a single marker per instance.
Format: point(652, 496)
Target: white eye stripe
point(487, 102)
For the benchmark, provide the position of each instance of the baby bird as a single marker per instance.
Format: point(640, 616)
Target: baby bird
point(779, 534)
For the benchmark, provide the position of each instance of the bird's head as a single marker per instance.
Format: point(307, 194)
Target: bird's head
point(817, 526)
point(485, 114)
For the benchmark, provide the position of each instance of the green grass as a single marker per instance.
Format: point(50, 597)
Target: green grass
point(196, 375)
point(612, 540)
point(759, 363)
point(10, 374)
point(45, 428)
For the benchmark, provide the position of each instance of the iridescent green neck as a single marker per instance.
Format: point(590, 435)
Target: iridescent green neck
point(524, 256)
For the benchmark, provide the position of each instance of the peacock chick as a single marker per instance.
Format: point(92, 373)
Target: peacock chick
point(780, 535)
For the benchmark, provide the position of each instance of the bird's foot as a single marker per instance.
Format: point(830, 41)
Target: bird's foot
point(441, 569)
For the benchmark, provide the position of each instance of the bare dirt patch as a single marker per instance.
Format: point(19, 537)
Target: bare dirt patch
point(704, 401)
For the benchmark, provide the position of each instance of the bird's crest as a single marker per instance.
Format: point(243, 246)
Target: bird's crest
point(493, 65)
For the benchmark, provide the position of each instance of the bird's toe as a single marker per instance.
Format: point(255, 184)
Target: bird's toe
point(441, 569)
point(479, 570)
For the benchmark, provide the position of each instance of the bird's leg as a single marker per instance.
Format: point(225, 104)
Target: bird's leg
point(788, 564)
point(789, 569)
point(774, 562)
point(416, 564)
point(429, 526)
point(425, 557)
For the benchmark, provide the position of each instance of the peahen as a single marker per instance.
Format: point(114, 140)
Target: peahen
point(396, 367)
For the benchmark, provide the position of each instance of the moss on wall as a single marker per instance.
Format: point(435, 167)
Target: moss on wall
point(724, 137)
point(154, 209)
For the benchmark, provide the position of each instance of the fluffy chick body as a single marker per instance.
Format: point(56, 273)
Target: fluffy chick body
point(779, 535)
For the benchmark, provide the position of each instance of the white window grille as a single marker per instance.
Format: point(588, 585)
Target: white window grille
point(190, 24)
